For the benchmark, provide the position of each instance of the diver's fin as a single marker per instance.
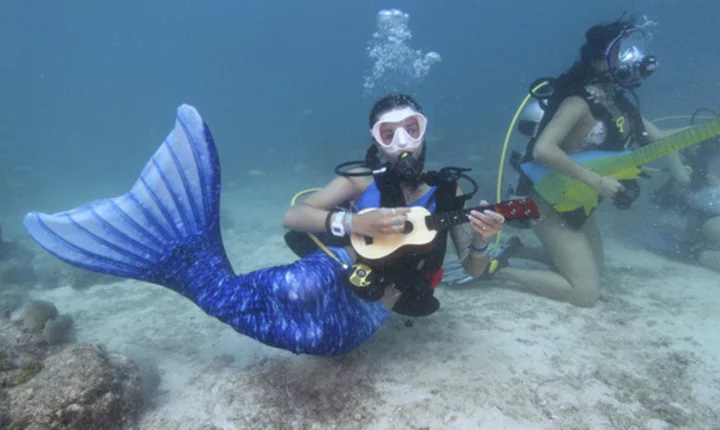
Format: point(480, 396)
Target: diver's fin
point(455, 273)
point(500, 257)
point(175, 199)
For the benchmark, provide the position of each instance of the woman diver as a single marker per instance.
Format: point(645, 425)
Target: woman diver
point(398, 127)
point(587, 109)
point(166, 231)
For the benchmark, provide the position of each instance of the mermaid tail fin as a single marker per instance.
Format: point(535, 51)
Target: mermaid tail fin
point(138, 235)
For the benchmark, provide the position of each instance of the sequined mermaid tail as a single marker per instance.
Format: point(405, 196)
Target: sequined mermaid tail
point(166, 231)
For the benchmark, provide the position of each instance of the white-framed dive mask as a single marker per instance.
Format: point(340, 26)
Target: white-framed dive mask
point(400, 130)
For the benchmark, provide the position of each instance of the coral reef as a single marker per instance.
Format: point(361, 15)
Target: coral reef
point(149, 375)
point(59, 330)
point(36, 313)
point(70, 386)
point(16, 275)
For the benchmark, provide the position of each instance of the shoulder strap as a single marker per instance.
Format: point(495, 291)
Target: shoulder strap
point(639, 133)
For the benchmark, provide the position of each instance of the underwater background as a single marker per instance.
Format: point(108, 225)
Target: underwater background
point(89, 88)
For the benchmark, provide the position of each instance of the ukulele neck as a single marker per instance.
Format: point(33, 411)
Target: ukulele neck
point(445, 220)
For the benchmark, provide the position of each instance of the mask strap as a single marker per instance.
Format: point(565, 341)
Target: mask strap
point(371, 157)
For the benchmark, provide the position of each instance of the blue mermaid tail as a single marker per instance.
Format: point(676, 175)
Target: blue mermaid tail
point(166, 231)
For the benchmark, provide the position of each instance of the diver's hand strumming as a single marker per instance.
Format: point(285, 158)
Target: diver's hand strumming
point(380, 222)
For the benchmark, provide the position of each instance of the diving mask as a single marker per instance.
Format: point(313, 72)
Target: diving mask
point(399, 131)
point(626, 59)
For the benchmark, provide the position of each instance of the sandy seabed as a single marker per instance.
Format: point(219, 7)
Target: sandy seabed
point(645, 357)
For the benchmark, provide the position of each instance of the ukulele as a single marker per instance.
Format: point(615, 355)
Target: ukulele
point(422, 227)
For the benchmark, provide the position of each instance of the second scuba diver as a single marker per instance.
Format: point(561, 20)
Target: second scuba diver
point(586, 109)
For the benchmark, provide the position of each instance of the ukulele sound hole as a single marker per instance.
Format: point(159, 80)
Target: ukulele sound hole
point(408, 227)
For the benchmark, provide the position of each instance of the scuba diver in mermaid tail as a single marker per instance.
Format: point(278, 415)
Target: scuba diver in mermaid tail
point(166, 231)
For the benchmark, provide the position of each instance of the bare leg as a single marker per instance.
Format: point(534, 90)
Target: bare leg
point(533, 253)
point(592, 232)
point(541, 255)
point(577, 279)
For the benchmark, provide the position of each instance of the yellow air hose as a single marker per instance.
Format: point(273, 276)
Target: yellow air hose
point(312, 236)
point(498, 195)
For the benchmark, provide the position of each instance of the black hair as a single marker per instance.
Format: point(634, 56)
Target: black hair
point(390, 102)
point(597, 39)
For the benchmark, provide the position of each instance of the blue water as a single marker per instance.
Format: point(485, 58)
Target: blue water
point(89, 88)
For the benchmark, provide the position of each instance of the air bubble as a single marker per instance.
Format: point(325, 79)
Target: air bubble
point(396, 65)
